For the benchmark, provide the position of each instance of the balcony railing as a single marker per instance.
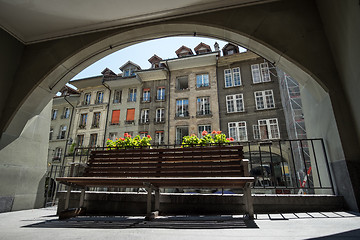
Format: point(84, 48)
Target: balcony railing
point(129, 121)
point(95, 125)
point(144, 121)
point(160, 98)
point(114, 123)
point(159, 120)
point(182, 114)
point(146, 100)
point(203, 113)
point(82, 126)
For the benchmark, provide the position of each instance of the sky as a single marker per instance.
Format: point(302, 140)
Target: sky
point(141, 52)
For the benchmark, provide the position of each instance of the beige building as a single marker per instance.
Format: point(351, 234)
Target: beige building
point(124, 101)
point(61, 124)
point(193, 93)
point(90, 116)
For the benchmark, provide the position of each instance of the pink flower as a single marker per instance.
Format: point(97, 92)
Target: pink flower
point(108, 139)
point(204, 133)
point(228, 139)
point(193, 135)
point(126, 134)
point(129, 136)
point(231, 139)
point(218, 132)
point(213, 132)
point(148, 136)
point(122, 139)
point(116, 138)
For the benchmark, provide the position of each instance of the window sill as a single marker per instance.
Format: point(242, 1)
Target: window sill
point(232, 113)
point(266, 109)
point(182, 90)
point(204, 116)
point(241, 87)
point(272, 81)
point(185, 117)
point(203, 88)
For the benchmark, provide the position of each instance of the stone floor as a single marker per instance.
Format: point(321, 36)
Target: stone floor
point(43, 224)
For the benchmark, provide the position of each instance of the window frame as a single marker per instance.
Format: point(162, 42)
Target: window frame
point(132, 95)
point(184, 107)
point(87, 98)
point(269, 128)
point(96, 120)
point(99, 97)
point(160, 94)
point(204, 82)
point(204, 127)
point(144, 116)
point(238, 126)
point(232, 100)
point(117, 96)
point(160, 118)
point(202, 106)
point(262, 98)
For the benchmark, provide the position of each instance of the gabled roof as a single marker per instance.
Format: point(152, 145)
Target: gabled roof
point(184, 49)
point(107, 72)
point(228, 47)
point(201, 46)
point(129, 63)
point(155, 59)
point(67, 90)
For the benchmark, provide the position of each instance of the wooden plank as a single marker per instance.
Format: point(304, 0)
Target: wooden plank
point(231, 162)
point(155, 168)
point(175, 174)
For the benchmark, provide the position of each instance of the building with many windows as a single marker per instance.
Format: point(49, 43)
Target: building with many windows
point(61, 124)
point(249, 97)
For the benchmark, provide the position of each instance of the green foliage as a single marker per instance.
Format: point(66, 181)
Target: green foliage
point(216, 137)
point(128, 142)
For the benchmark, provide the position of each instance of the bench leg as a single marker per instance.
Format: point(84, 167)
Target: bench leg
point(157, 199)
point(249, 208)
point(148, 206)
point(67, 199)
point(82, 198)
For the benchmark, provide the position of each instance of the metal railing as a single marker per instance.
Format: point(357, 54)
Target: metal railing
point(278, 166)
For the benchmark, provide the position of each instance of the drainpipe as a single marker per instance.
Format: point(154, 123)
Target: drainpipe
point(107, 111)
point(68, 134)
point(218, 89)
point(168, 111)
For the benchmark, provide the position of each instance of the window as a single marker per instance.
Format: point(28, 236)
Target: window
point(182, 83)
point(159, 137)
point(235, 103)
point(160, 95)
point(264, 99)
point(57, 155)
point(181, 131)
point(143, 134)
point(112, 136)
point(96, 120)
point(237, 130)
point(115, 117)
point(182, 106)
point(93, 140)
point(202, 128)
point(130, 115)
point(269, 128)
point(80, 140)
point(83, 119)
point(256, 131)
point(260, 73)
point(144, 116)
point(203, 106)
point(202, 80)
point(99, 97)
point(87, 99)
point(132, 95)
point(232, 77)
point(51, 133)
point(66, 112)
point(54, 114)
point(62, 132)
point(160, 115)
point(146, 95)
point(117, 96)
point(129, 72)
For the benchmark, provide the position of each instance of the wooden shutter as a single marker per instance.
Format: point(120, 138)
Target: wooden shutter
point(130, 116)
point(115, 116)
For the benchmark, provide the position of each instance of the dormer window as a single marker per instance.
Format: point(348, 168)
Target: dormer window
point(184, 51)
point(202, 48)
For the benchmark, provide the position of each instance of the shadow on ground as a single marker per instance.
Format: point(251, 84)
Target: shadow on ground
point(178, 222)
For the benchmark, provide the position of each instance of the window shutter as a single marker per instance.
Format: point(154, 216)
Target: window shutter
point(115, 116)
point(130, 116)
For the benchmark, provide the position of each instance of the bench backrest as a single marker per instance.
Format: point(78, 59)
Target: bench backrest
point(215, 161)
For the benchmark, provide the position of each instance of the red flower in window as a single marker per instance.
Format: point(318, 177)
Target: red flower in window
point(204, 133)
point(231, 139)
point(214, 132)
point(218, 132)
point(122, 139)
point(148, 136)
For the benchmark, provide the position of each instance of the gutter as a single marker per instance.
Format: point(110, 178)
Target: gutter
point(68, 134)
point(107, 111)
point(168, 111)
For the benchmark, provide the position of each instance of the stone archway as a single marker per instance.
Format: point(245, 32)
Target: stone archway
point(291, 40)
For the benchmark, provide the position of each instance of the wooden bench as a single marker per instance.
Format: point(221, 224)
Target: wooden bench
point(190, 167)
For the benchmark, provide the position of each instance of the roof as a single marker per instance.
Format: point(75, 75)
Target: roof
point(154, 59)
point(202, 45)
point(184, 48)
point(129, 63)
